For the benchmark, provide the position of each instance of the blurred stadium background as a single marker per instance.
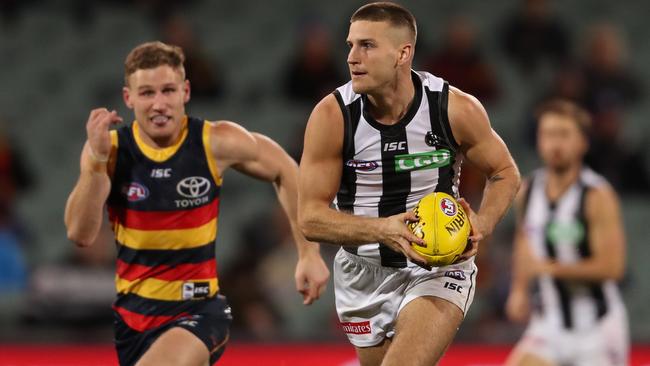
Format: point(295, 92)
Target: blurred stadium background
point(264, 65)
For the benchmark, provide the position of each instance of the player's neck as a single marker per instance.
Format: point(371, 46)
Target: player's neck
point(559, 181)
point(393, 101)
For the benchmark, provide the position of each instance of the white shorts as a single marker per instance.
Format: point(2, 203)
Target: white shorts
point(606, 344)
point(369, 297)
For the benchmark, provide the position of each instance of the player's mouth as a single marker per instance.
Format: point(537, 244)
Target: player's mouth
point(160, 120)
point(356, 74)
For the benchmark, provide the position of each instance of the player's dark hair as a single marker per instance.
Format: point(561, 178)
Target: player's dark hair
point(150, 55)
point(395, 14)
point(567, 108)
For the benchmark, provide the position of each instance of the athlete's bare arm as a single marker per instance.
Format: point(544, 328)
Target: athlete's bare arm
point(518, 303)
point(260, 157)
point(85, 206)
point(320, 177)
point(606, 238)
point(484, 149)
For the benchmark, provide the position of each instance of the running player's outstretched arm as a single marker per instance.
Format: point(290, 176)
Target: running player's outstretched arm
point(84, 209)
point(518, 303)
point(320, 177)
point(260, 157)
point(606, 239)
point(484, 149)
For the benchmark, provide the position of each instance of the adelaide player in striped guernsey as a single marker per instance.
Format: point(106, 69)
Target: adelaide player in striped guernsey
point(569, 253)
point(160, 178)
point(375, 146)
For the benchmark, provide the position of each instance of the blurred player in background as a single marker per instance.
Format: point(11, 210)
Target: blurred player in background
point(383, 141)
point(570, 248)
point(160, 178)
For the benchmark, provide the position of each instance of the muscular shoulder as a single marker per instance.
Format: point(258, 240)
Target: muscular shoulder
point(229, 140)
point(601, 199)
point(325, 127)
point(467, 117)
point(328, 109)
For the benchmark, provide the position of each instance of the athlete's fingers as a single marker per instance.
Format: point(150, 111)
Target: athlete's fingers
point(412, 238)
point(410, 216)
point(414, 256)
point(470, 251)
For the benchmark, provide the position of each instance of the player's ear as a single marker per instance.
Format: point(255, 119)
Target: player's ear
point(186, 91)
point(126, 95)
point(405, 54)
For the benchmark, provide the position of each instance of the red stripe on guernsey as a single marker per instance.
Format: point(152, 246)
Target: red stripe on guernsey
point(143, 323)
point(165, 220)
point(180, 272)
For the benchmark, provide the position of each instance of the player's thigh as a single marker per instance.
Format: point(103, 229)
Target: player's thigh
point(176, 347)
point(425, 328)
point(520, 357)
point(372, 356)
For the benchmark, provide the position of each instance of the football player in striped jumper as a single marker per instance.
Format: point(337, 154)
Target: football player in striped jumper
point(569, 252)
point(161, 178)
point(374, 147)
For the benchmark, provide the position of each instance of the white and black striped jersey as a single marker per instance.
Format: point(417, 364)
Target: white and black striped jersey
point(387, 169)
point(559, 231)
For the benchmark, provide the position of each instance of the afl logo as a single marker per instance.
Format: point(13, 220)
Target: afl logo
point(448, 207)
point(362, 165)
point(193, 187)
point(135, 192)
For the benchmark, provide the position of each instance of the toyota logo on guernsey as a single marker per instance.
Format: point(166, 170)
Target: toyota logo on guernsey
point(194, 189)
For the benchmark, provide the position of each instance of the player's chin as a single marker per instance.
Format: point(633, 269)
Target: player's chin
point(360, 86)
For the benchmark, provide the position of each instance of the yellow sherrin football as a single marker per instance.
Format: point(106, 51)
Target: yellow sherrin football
point(443, 225)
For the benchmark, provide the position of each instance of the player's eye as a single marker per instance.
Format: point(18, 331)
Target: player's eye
point(146, 93)
point(169, 90)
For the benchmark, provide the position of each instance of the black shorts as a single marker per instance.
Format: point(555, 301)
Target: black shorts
point(210, 324)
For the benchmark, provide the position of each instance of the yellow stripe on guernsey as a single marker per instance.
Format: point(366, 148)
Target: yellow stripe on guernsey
point(159, 155)
point(167, 239)
point(152, 288)
point(212, 164)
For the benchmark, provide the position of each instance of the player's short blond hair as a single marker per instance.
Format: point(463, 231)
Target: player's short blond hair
point(395, 14)
point(150, 55)
point(569, 109)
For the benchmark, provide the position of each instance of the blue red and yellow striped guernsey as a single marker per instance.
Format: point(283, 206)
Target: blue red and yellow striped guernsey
point(164, 208)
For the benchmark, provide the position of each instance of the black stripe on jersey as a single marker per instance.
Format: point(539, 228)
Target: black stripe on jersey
point(469, 291)
point(595, 289)
point(158, 257)
point(396, 188)
point(151, 307)
point(444, 117)
point(560, 286)
point(441, 132)
point(348, 188)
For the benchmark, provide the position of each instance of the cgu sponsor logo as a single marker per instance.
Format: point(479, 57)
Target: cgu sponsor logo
point(356, 327)
point(362, 165)
point(420, 161)
point(456, 224)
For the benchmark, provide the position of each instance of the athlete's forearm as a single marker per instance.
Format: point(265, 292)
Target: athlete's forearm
point(500, 190)
point(585, 270)
point(325, 224)
point(85, 206)
point(286, 188)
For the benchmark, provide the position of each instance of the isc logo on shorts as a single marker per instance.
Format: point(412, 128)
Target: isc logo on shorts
point(195, 290)
point(356, 327)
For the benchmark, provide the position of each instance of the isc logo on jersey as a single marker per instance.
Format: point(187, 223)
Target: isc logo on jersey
point(444, 227)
